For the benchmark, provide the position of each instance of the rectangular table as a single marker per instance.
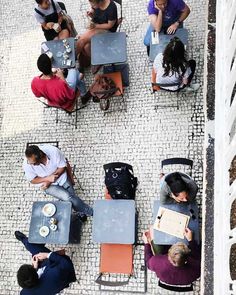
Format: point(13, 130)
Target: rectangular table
point(114, 221)
point(162, 238)
point(108, 48)
point(62, 214)
point(164, 39)
point(57, 48)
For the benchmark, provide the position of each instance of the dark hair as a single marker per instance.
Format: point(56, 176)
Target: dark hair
point(176, 183)
point(44, 64)
point(39, 1)
point(27, 276)
point(174, 57)
point(96, 1)
point(33, 150)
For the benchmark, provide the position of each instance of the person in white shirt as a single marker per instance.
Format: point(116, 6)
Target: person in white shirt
point(171, 67)
point(45, 167)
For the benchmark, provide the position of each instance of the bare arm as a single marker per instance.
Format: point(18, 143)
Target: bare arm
point(156, 21)
point(182, 17)
point(106, 26)
point(50, 178)
point(185, 13)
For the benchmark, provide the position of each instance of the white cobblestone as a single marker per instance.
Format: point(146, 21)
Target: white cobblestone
point(141, 136)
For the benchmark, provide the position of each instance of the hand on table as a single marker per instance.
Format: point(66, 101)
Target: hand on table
point(188, 234)
point(172, 29)
point(35, 262)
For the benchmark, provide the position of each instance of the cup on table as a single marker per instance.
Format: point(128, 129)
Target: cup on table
point(56, 27)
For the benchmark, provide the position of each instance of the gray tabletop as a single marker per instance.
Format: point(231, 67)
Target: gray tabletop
point(162, 238)
point(164, 39)
point(57, 48)
point(114, 221)
point(108, 48)
point(63, 215)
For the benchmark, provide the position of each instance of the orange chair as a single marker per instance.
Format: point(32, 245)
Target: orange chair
point(115, 259)
point(117, 79)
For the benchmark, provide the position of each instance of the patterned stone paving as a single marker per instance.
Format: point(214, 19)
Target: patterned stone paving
point(142, 136)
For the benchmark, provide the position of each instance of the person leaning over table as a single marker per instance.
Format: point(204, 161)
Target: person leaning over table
point(58, 90)
point(45, 167)
point(167, 15)
point(48, 13)
point(103, 18)
point(177, 187)
point(49, 273)
point(180, 265)
point(172, 67)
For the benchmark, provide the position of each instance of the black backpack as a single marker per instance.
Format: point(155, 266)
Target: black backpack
point(120, 181)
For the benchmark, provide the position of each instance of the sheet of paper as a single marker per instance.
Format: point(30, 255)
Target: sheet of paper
point(155, 37)
point(171, 222)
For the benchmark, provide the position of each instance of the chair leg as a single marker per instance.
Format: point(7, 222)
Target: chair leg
point(57, 116)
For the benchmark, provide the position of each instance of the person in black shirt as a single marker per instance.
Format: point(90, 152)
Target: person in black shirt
point(103, 18)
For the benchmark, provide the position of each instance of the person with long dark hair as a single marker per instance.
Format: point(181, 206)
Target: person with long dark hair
point(171, 67)
point(177, 187)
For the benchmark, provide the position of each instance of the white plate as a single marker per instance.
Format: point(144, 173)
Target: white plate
point(44, 231)
point(49, 210)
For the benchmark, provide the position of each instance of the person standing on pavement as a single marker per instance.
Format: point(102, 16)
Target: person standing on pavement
point(45, 167)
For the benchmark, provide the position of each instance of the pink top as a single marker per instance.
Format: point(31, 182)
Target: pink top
point(55, 90)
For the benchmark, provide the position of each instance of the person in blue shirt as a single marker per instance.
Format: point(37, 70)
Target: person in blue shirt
point(49, 273)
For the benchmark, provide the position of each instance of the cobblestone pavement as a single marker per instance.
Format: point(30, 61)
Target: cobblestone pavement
point(142, 136)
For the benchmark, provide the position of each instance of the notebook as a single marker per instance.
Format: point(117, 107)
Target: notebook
point(171, 222)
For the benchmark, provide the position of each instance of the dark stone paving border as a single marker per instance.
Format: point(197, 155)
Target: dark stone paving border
point(210, 154)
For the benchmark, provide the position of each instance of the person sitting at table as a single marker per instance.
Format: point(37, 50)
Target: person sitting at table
point(103, 15)
point(49, 273)
point(45, 167)
point(177, 187)
point(55, 88)
point(49, 14)
point(181, 265)
point(166, 15)
point(171, 67)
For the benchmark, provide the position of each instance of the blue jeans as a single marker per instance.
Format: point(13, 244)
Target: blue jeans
point(34, 248)
point(74, 81)
point(67, 193)
point(147, 37)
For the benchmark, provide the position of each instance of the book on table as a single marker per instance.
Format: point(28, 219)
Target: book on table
point(171, 222)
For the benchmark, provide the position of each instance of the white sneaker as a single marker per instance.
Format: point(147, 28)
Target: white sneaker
point(192, 87)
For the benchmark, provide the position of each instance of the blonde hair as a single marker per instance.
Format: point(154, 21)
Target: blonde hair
point(178, 254)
